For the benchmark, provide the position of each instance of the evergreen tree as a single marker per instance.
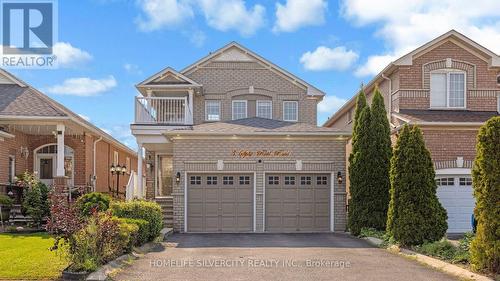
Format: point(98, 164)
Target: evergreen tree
point(360, 105)
point(415, 214)
point(380, 161)
point(359, 211)
point(485, 248)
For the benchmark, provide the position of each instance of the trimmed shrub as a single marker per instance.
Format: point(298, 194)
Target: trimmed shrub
point(415, 215)
point(141, 209)
point(142, 229)
point(94, 201)
point(485, 248)
point(35, 202)
point(129, 232)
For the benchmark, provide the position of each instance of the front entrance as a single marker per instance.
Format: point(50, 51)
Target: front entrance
point(45, 165)
point(220, 202)
point(164, 176)
point(297, 202)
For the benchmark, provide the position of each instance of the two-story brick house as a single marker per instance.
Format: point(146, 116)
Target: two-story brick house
point(449, 87)
point(231, 145)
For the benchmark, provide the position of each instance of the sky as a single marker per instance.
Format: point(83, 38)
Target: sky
point(105, 47)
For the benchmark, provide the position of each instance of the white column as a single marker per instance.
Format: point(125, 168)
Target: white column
point(139, 170)
point(189, 119)
point(60, 150)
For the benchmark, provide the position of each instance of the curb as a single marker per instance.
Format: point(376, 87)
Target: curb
point(432, 262)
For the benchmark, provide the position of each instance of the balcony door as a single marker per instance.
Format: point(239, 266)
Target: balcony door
point(164, 176)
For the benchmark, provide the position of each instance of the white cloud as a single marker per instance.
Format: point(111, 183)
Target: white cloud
point(295, 14)
point(68, 55)
point(197, 37)
point(324, 58)
point(83, 86)
point(163, 13)
point(122, 133)
point(330, 104)
point(374, 65)
point(225, 15)
point(132, 68)
point(405, 25)
point(85, 117)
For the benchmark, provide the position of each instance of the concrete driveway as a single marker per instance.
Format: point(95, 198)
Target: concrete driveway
point(274, 257)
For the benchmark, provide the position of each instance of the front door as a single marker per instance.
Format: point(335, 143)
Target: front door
point(164, 177)
point(46, 169)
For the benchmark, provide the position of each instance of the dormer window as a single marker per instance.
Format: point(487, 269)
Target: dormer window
point(290, 111)
point(448, 89)
point(265, 109)
point(239, 109)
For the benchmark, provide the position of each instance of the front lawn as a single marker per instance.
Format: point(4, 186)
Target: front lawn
point(27, 256)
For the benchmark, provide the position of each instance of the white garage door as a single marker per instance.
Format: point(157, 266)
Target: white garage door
point(456, 195)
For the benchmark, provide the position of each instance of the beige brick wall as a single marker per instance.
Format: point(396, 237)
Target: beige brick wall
point(318, 155)
point(227, 81)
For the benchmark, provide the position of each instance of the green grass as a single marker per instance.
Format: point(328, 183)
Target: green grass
point(27, 256)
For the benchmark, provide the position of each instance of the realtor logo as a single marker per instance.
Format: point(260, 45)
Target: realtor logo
point(28, 33)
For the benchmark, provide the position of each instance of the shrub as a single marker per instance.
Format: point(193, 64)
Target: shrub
point(5, 201)
point(141, 209)
point(35, 202)
point(444, 250)
point(93, 201)
point(142, 229)
point(415, 214)
point(485, 248)
point(372, 232)
point(129, 232)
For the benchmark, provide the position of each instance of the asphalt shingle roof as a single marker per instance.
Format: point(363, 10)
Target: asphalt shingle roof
point(22, 101)
point(446, 115)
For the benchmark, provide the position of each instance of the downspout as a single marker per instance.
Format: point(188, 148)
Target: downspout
point(390, 99)
point(94, 177)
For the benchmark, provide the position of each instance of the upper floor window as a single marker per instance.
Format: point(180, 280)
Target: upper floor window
point(448, 89)
point(212, 110)
point(239, 109)
point(290, 111)
point(265, 109)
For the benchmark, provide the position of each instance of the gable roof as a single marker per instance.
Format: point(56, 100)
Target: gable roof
point(160, 79)
point(21, 100)
point(492, 58)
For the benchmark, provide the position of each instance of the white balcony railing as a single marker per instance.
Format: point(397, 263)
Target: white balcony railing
point(163, 110)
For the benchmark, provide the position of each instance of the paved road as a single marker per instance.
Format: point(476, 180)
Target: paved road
point(274, 257)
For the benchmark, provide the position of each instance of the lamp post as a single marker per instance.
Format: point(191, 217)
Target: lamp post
point(118, 170)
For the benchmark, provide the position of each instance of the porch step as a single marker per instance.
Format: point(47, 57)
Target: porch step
point(167, 210)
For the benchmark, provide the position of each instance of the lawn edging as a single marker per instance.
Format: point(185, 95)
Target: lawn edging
point(104, 272)
point(432, 262)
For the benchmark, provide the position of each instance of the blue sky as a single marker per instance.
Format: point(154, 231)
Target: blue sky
point(107, 46)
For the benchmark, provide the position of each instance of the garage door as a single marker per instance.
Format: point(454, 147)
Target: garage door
point(220, 203)
point(297, 203)
point(456, 195)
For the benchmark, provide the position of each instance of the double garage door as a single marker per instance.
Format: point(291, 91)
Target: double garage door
point(225, 202)
point(456, 196)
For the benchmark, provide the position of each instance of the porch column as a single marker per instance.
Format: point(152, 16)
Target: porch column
point(189, 119)
point(139, 170)
point(60, 150)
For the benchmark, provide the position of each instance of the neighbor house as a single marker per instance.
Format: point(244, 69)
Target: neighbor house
point(41, 136)
point(232, 145)
point(448, 87)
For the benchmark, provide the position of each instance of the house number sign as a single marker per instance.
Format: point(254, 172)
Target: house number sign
point(243, 153)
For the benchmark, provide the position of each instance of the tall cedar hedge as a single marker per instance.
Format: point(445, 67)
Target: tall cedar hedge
point(485, 248)
point(415, 214)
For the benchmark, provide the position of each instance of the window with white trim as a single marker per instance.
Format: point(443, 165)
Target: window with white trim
point(212, 110)
point(211, 180)
point(227, 180)
point(465, 181)
point(289, 180)
point(290, 111)
point(445, 181)
point(447, 89)
point(195, 180)
point(244, 180)
point(239, 109)
point(265, 109)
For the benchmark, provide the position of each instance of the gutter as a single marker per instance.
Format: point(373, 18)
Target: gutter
point(94, 177)
point(390, 99)
point(236, 134)
point(6, 135)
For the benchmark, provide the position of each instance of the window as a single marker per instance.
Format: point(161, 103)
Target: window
point(212, 110)
point(244, 180)
point(445, 181)
point(321, 180)
point(448, 89)
point(273, 180)
point(290, 111)
point(195, 180)
point(305, 180)
point(12, 168)
point(465, 181)
point(239, 109)
point(211, 180)
point(289, 180)
point(227, 180)
point(265, 109)
point(349, 116)
point(115, 158)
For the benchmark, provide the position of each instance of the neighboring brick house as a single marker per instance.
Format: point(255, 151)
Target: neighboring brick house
point(232, 145)
point(33, 127)
point(449, 87)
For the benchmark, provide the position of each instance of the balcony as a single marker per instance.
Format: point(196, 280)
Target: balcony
point(163, 111)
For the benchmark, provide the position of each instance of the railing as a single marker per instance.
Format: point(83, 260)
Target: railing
point(163, 110)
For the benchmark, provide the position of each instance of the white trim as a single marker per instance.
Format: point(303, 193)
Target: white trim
point(332, 202)
point(453, 171)
point(37, 156)
point(6, 135)
point(185, 201)
point(257, 108)
point(162, 73)
point(264, 202)
point(447, 72)
point(13, 168)
point(232, 109)
point(220, 110)
point(296, 108)
point(254, 201)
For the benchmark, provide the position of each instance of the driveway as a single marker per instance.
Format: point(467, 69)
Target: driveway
point(274, 257)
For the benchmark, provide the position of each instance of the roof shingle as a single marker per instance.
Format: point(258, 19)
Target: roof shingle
point(21, 101)
point(445, 115)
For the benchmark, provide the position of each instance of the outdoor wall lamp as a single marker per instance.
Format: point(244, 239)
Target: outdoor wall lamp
point(339, 177)
point(178, 177)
